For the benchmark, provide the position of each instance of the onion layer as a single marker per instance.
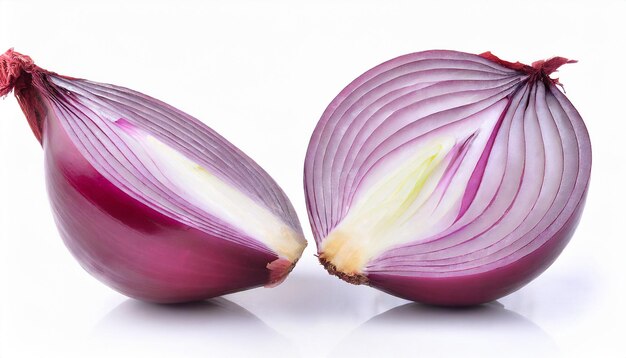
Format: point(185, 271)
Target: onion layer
point(447, 178)
point(147, 198)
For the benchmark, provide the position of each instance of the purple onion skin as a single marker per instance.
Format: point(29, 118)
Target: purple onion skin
point(133, 248)
point(483, 287)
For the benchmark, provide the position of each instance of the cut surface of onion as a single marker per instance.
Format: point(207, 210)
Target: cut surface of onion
point(447, 178)
point(148, 199)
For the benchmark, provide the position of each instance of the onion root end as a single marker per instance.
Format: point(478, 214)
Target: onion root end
point(353, 278)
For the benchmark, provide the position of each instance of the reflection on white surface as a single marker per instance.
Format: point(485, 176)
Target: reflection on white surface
point(413, 329)
point(315, 310)
point(316, 296)
point(563, 297)
point(186, 330)
point(316, 315)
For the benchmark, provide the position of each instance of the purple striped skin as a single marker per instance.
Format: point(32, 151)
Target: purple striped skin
point(132, 248)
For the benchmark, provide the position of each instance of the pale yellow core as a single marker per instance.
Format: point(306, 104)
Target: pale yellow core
point(380, 218)
point(212, 194)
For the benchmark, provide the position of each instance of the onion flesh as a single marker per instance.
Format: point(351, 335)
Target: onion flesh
point(447, 178)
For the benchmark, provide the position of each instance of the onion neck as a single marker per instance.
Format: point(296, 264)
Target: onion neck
point(18, 73)
point(538, 71)
point(12, 66)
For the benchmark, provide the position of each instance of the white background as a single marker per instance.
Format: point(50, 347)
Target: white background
point(261, 73)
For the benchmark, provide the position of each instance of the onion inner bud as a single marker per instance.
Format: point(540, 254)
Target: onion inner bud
point(412, 194)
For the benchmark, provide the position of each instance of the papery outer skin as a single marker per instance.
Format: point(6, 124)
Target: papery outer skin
point(139, 249)
point(451, 288)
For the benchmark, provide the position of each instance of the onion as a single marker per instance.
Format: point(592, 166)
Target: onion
point(447, 178)
point(147, 198)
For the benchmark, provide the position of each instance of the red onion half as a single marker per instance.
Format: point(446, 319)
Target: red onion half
point(149, 200)
point(447, 178)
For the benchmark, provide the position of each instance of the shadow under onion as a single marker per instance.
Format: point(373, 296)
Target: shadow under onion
point(217, 327)
point(415, 329)
point(317, 298)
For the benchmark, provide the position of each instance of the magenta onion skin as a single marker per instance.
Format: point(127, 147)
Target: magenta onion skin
point(141, 192)
point(132, 248)
point(371, 119)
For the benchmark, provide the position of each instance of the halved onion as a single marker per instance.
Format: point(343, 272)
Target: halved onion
point(447, 178)
point(150, 200)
